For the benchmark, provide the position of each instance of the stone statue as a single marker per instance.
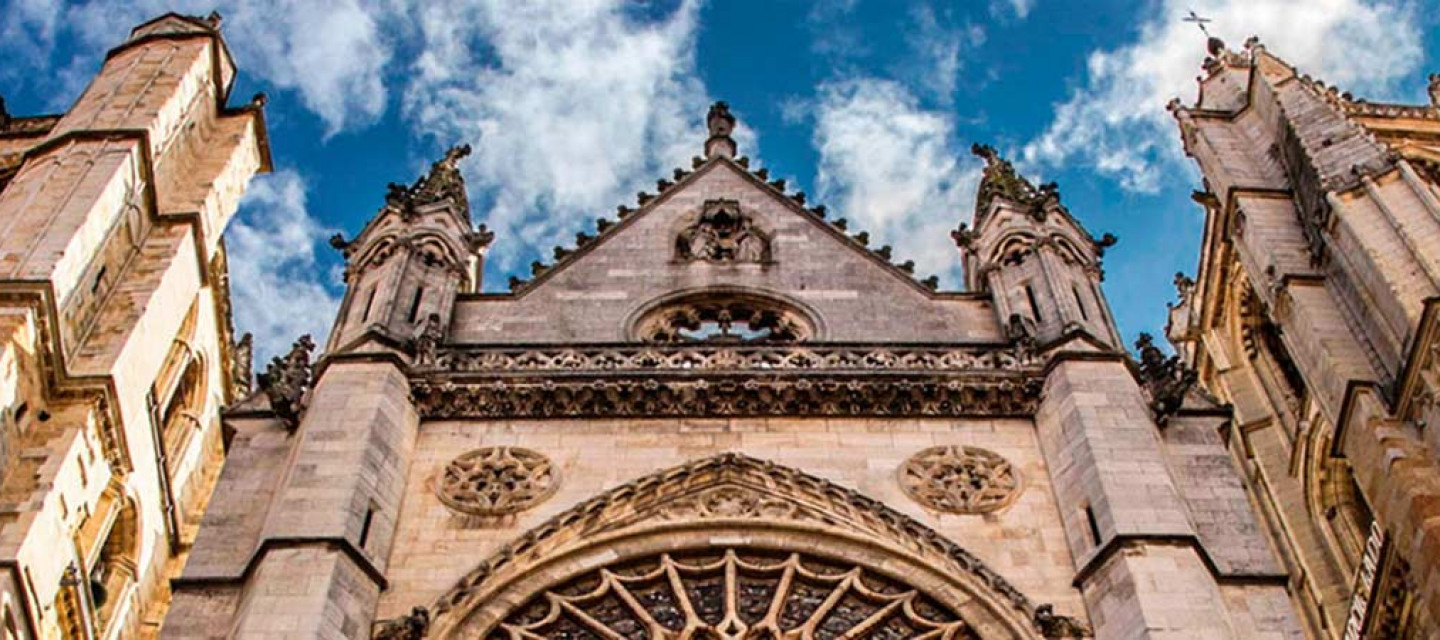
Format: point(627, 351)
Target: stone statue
point(1021, 331)
point(427, 343)
point(723, 234)
point(286, 379)
point(242, 366)
point(1433, 88)
point(411, 627)
point(1054, 626)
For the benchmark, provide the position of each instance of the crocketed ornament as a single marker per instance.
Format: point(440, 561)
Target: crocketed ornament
point(960, 479)
point(494, 481)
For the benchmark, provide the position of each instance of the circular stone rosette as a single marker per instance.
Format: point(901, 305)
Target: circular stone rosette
point(495, 481)
point(960, 479)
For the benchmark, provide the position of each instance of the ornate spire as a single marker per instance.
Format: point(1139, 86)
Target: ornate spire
point(1000, 179)
point(443, 181)
point(721, 125)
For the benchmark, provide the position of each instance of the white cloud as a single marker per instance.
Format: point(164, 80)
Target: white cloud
point(330, 53)
point(936, 47)
point(275, 280)
point(1020, 8)
point(894, 169)
point(1117, 121)
point(571, 108)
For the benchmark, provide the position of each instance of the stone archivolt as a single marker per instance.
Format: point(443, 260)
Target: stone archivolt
point(496, 481)
point(739, 594)
point(722, 492)
point(960, 479)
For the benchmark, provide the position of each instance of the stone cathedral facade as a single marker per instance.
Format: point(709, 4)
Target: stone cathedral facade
point(721, 414)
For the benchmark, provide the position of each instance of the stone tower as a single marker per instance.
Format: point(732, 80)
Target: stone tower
point(116, 351)
point(720, 414)
point(1314, 315)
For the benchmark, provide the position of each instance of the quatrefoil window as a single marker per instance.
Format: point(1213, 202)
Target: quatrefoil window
point(960, 479)
point(497, 481)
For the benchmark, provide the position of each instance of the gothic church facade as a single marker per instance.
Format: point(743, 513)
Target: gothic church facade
point(720, 414)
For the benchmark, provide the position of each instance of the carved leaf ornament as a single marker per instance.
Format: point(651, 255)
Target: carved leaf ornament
point(732, 594)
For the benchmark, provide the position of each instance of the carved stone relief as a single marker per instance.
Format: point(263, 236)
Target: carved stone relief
point(723, 233)
point(960, 479)
point(496, 481)
point(733, 593)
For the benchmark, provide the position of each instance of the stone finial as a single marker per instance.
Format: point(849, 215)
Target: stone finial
point(286, 379)
point(443, 181)
point(1433, 88)
point(1000, 179)
point(721, 125)
point(242, 366)
point(1167, 380)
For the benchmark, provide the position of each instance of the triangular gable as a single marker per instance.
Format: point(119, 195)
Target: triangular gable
point(795, 203)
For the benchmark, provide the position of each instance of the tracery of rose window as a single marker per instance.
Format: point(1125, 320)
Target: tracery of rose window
point(724, 319)
point(732, 594)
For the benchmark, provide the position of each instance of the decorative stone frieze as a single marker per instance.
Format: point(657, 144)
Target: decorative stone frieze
point(726, 397)
point(960, 479)
point(708, 357)
point(496, 481)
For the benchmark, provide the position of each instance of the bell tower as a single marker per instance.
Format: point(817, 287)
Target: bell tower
point(1042, 266)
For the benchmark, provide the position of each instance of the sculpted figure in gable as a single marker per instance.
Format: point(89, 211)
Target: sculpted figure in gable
point(723, 234)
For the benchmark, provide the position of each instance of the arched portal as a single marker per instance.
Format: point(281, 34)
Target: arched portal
point(734, 548)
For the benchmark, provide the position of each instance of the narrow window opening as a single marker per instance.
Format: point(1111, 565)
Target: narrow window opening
point(1080, 302)
point(1094, 525)
point(365, 526)
point(415, 304)
point(369, 302)
point(1034, 306)
point(99, 280)
point(21, 411)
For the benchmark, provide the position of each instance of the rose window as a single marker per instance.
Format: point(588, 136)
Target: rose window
point(732, 594)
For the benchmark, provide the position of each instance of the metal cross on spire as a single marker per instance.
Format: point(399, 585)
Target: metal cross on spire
point(1199, 22)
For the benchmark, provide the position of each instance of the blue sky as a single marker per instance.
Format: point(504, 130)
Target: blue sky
point(573, 106)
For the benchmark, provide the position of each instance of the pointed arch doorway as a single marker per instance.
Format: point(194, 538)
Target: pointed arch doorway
point(733, 548)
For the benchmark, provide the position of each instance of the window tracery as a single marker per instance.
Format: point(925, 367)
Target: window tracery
point(732, 594)
point(960, 479)
point(495, 481)
point(724, 318)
